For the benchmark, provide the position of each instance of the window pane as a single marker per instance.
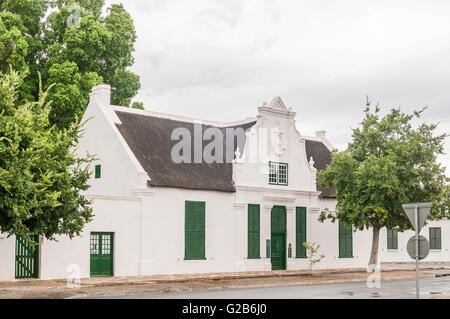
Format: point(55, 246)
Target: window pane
point(94, 244)
point(273, 173)
point(282, 173)
point(106, 244)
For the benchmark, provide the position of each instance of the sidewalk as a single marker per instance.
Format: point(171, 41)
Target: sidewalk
point(114, 286)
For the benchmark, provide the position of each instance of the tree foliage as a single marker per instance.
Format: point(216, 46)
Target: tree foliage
point(71, 45)
point(41, 178)
point(389, 162)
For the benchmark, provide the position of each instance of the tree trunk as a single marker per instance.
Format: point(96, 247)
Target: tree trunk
point(374, 253)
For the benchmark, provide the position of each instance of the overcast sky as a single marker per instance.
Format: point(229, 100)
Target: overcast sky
point(221, 59)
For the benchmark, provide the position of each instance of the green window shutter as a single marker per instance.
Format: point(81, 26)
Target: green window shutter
point(194, 231)
point(435, 238)
point(341, 240)
point(349, 242)
point(98, 171)
point(345, 241)
point(389, 239)
point(438, 238)
point(253, 231)
point(300, 232)
point(431, 230)
point(392, 239)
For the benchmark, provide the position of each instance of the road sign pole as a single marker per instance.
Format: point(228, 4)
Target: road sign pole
point(416, 216)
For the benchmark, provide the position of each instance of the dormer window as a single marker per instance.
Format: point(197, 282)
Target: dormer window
point(278, 173)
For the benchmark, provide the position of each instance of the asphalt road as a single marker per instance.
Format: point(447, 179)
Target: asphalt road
point(392, 289)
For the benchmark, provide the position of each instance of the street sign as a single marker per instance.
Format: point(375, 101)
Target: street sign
point(424, 247)
point(422, 212)
point(418, 246)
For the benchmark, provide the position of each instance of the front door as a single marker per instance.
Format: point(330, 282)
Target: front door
point(102, 252)
point(27, 257)
point(278, 238)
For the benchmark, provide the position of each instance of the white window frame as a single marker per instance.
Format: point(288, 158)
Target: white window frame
point(279, 178)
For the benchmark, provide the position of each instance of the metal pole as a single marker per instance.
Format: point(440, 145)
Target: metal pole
point(417, 251)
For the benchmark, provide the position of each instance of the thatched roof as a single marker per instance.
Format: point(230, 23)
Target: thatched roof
point(149, 138)
point(322, 158)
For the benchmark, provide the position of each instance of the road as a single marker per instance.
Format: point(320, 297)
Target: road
point(392, 289)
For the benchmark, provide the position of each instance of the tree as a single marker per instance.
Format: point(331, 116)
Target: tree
point(71, 45)
point(388, 163)
point(313, 253)
point(41, 178)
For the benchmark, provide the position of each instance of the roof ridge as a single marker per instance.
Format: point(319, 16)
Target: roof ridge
point(181, 118)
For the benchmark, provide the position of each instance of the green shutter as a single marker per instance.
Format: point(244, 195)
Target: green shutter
point(300, 232)
point(345, 241)
point(253, 231)
point(435, 238)
point(194, 230)
point(392, 239)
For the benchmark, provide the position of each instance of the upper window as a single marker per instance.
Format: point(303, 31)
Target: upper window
point(278, 173)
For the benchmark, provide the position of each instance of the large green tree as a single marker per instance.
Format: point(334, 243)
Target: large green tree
point(389, 162)
point(41, 178)
point(73, 45)
point(60, 49)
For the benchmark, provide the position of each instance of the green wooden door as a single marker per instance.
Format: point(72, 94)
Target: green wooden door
point(278, 238)
point(27, 258)
point(102, 252)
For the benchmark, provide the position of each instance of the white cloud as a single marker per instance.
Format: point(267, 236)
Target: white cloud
point(220, 59)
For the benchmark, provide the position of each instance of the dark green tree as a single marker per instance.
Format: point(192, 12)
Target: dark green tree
point(73, 46)
point(389, 162)
point(41, 178)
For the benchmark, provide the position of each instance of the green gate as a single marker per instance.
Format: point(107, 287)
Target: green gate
point(27, 258)
point(102, 252)
point(278, 237)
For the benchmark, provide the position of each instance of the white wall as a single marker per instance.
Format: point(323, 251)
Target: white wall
point(401, 255)
point(119, 216)
point(120, 171)
point(163, 235)
point(7, 257)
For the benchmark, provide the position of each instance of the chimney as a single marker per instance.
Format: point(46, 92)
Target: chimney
point(101, 94)
point(321, 134)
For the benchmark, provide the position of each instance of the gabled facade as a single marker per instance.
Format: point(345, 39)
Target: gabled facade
point(249, 210)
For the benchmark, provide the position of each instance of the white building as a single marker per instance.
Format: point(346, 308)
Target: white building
point(154, 216)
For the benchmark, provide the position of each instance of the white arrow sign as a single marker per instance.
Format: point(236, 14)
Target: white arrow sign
point(423, 209)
